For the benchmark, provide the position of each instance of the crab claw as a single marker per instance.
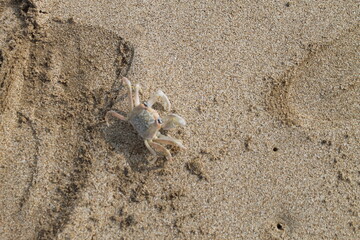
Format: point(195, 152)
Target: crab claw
point(165, 100)
point(172, 120)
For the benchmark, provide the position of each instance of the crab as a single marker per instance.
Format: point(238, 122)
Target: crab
point(147, 121)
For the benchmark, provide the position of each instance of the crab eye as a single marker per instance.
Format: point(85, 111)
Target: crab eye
point(159, 121)
point(145, 104)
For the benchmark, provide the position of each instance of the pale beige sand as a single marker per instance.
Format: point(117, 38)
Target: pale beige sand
point(270, 92)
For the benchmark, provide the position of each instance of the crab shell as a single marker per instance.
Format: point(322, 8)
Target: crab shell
point(145, 120)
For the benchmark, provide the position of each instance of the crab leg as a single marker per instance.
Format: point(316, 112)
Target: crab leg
point(128, 84)
point(158, 148)
point(114, 114)
point(149, 148)
point(168, 140)
point(137, 97)
point(164, 98)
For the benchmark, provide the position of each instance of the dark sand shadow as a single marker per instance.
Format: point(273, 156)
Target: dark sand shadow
point(69, 80)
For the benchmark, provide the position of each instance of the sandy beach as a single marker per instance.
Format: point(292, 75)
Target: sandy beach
point(270, 91)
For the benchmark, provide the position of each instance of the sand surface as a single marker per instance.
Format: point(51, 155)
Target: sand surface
point(270, 93)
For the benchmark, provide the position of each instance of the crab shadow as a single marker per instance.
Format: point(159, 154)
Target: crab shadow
point(123, 139)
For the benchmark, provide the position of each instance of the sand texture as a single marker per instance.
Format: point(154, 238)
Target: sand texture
point(270, 91)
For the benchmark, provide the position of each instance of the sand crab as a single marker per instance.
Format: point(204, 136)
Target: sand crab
point(147, 121)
